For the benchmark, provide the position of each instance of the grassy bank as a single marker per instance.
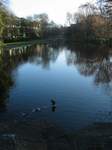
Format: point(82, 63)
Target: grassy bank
point(20, 42)
point(13, 44)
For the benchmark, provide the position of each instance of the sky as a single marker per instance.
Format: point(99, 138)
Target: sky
point(56, 9)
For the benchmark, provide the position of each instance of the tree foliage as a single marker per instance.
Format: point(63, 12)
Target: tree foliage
point(13, 28)
point(90, 24)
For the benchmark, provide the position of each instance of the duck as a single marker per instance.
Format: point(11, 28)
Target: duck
point(36, 109)
point(53, 101)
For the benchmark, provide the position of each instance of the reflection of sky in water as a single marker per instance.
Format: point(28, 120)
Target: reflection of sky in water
point(56, 73)
point(110, 59)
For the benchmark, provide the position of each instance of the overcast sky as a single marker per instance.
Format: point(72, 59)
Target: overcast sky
point(56, 9)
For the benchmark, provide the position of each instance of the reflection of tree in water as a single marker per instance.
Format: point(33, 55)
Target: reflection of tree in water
point(44, 55)
point(92, 62)
point(11, 58)
point(5, 81)
point(95, 62)
point(39, 54)
point(104, 72)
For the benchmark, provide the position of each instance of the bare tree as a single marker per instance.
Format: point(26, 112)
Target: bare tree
point(88, 9)
point(69, 18)
point(106, 7)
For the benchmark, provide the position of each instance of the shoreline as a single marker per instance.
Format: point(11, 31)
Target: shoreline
point(42, 135)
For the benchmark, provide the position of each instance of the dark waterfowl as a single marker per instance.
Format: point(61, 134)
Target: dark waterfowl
point(53, 101)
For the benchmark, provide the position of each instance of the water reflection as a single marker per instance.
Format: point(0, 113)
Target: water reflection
point(92, 61)
point(44, 55)
point(6, 80)
point(11, 58)
point(40, 54)
point(88, 60)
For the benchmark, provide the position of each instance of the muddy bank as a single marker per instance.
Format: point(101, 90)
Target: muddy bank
point(42, 135)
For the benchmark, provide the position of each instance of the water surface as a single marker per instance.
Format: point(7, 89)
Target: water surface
point(79, 79)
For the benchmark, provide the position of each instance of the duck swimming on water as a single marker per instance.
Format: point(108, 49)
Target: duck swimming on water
point(53, 101)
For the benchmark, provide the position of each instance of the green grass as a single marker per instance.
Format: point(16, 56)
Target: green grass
point(1, 44)
point(19, 43)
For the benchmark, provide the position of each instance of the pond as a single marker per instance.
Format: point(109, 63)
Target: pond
point(68, 84)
